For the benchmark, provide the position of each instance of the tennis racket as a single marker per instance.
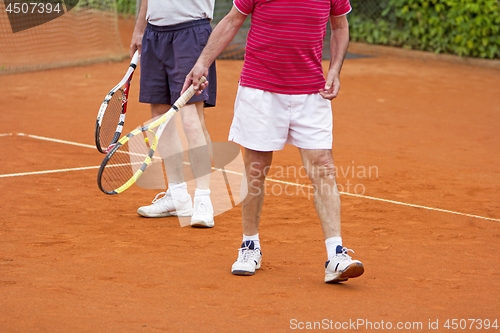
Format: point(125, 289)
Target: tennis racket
point(111, 116)
point(126, 161)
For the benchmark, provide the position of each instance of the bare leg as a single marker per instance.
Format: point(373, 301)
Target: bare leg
point(170, 146)
point(320, 169)
point(201, 114)
point(193, 121)
point(321, 172)
point(257, 165)
point(178, 203)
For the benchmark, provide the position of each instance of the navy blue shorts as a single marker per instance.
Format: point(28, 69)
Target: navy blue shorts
point(168, 54)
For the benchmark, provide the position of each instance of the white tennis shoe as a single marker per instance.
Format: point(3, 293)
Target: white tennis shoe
point(341, 267)
point(248, 261)
point(167, 206)
point(203, 213)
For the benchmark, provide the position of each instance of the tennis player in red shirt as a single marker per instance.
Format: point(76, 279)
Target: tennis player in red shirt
point(283, 97)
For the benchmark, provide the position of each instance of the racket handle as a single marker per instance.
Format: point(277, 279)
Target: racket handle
point(135, 59)
point(187, 95)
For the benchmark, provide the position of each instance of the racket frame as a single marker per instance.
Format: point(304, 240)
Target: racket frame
point(161, 123)
point(102, 109)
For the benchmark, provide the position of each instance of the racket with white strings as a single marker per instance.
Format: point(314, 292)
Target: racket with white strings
point(126, 161)
point(111, 116)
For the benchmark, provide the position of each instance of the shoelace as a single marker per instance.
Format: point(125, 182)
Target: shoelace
point(344, 253)
point(245, 254)
point(201, 207)
point(158, 199)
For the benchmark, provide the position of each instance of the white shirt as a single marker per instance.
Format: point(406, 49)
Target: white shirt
point(170, 12)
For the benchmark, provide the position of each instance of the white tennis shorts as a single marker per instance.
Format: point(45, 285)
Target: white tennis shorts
point(265, 121)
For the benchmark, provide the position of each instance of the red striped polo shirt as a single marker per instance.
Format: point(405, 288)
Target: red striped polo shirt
point(285, 43)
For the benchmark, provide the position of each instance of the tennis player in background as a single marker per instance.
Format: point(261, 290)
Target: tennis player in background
point(283, 97)
point(170, 36)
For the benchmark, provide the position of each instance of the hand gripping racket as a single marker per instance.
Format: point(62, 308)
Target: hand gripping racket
point(111, 116)
point(129, 157)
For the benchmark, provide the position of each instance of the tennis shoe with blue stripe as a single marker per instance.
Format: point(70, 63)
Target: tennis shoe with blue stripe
point(248, 260)
point(165, 205)
point(341, 267)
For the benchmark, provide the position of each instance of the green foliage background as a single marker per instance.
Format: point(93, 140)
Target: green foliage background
point(126, 7)
point(462, 27)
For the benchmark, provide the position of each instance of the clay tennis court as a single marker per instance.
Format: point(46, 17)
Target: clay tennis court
point(425, 132)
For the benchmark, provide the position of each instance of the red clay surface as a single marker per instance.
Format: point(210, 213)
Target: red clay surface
point(75, 260)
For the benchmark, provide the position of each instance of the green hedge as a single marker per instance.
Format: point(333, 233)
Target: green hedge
point(462, 27)
point(126, 7)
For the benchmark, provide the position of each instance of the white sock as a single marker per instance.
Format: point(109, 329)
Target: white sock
point(331, 245)
point(199, 192)
point(179, 191)
point(254, 238)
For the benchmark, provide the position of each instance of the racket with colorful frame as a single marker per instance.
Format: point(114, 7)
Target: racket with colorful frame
point(127, 160)
point(111, 116)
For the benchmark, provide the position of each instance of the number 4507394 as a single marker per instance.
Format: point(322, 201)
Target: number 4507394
point(32, 8)
point(464, 324)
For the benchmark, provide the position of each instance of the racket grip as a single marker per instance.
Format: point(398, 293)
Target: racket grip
point(135, 59)
point(187, 95)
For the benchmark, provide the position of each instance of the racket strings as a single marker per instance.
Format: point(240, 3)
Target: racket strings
point(127, 160)
point(111, 119)
point(124, 163)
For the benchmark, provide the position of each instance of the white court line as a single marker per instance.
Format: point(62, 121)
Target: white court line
point(46, 171)
point(235, 173)
point(390, 201)
point(55, 140)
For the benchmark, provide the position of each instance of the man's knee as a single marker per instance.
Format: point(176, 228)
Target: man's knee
point(159, 109)
point(321, 167)
point(191, 122)
point(258, 170)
